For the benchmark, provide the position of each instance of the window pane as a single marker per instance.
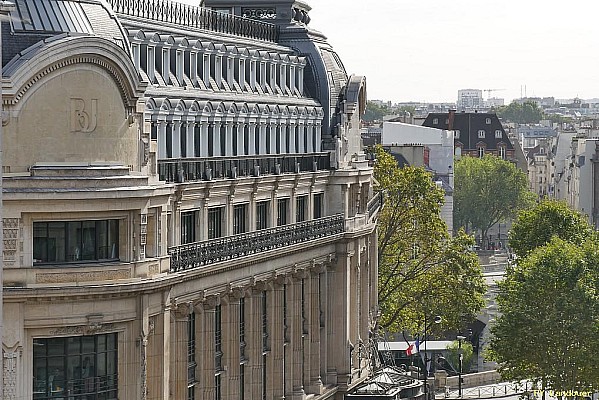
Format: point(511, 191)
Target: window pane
point(88, 344)
point(88, 245)
point(56, 241)
point(40, 242)
point(74, 241)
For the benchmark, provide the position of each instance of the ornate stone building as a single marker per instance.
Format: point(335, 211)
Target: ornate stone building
point(187, 212)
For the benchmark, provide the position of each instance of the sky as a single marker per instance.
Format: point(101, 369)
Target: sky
point(425, 50)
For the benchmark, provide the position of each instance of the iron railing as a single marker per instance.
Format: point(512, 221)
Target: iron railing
point(375, 204)
point(200, 254)
point(197, 169)
point(196, 17)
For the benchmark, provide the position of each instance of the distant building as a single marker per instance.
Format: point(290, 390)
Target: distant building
point(475, 134)
point(428, 147)
point(495, 102)
point(531, 135)
point(540, 167)
point(470, 99)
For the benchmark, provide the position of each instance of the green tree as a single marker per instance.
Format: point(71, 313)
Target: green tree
point(453, 355)
point(536, 226)
point(375, 112)
point(548, 330)
point(488, 190)
point(422, 270)
point(525, 113)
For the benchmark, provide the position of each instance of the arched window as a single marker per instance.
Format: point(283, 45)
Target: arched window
point(481, 151)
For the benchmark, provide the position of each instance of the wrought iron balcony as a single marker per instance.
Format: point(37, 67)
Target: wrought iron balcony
point(196, 17)
point(201, 254)
point(375, 204)
point(206, 169)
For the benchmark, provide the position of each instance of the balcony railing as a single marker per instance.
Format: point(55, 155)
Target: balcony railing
point(196, 17)
point(200, 254)
point(375, 204)
point(206, 169)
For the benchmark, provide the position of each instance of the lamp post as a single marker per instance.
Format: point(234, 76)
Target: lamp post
point(461, 358)
point(437, 320)
point(5, 8)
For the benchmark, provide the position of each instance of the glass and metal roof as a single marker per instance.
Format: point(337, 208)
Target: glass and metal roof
point(49, 16)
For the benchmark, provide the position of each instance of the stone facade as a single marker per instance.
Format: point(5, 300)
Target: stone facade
point(187, 211)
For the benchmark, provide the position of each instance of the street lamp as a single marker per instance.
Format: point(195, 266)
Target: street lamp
point(437, 320)
point(461, 358)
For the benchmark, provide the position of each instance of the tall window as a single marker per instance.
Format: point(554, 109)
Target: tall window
point(239, 219)
point(481, 151)
point(282, 206)
point(300, 210)
point(79, 367)
point(188, 227)
point(501, 150)
point(318, 205)
point(191, 356)
point(215, 223)
point(75, 241)
point(262, 215)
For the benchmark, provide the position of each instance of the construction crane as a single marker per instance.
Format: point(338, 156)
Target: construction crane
point(491, 90)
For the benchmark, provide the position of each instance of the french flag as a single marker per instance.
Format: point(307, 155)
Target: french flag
point(413, 348)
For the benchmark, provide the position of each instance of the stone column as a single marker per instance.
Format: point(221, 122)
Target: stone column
point(176, 134)
point(232, 345)
point(318, 128)
point(302, 138)
point(204, 139)
point(324, 325)
point(300, 80)
point(179, 344)
point(254, 349)
point(292, 134)
point(162, 140)
point(252, 139)
point(229, 139)
point(277, 340)
point(273, 138)
point(190, 139)
point(292, 78)
point(315, 381)
point(310, 144)
point(297, 338)
point(216, 150)
point(262, 138)
point(240, 132)
point(206, 367)
point(282, 132)
point(166, 340)
point(338, 329)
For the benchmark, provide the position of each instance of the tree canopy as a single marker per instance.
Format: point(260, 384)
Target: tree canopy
point(536, 226)
point(525, 113)
point(423, 271)
point(488, 190)
point(548, 330)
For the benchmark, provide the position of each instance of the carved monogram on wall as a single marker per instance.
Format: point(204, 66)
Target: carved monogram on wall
point(84, 115)
point(10, 231)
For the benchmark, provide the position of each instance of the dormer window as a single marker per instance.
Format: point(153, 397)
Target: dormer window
point(488, 121)
point(498, 134)
point(456, 134)
point(435, 121)
point(481, 134)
